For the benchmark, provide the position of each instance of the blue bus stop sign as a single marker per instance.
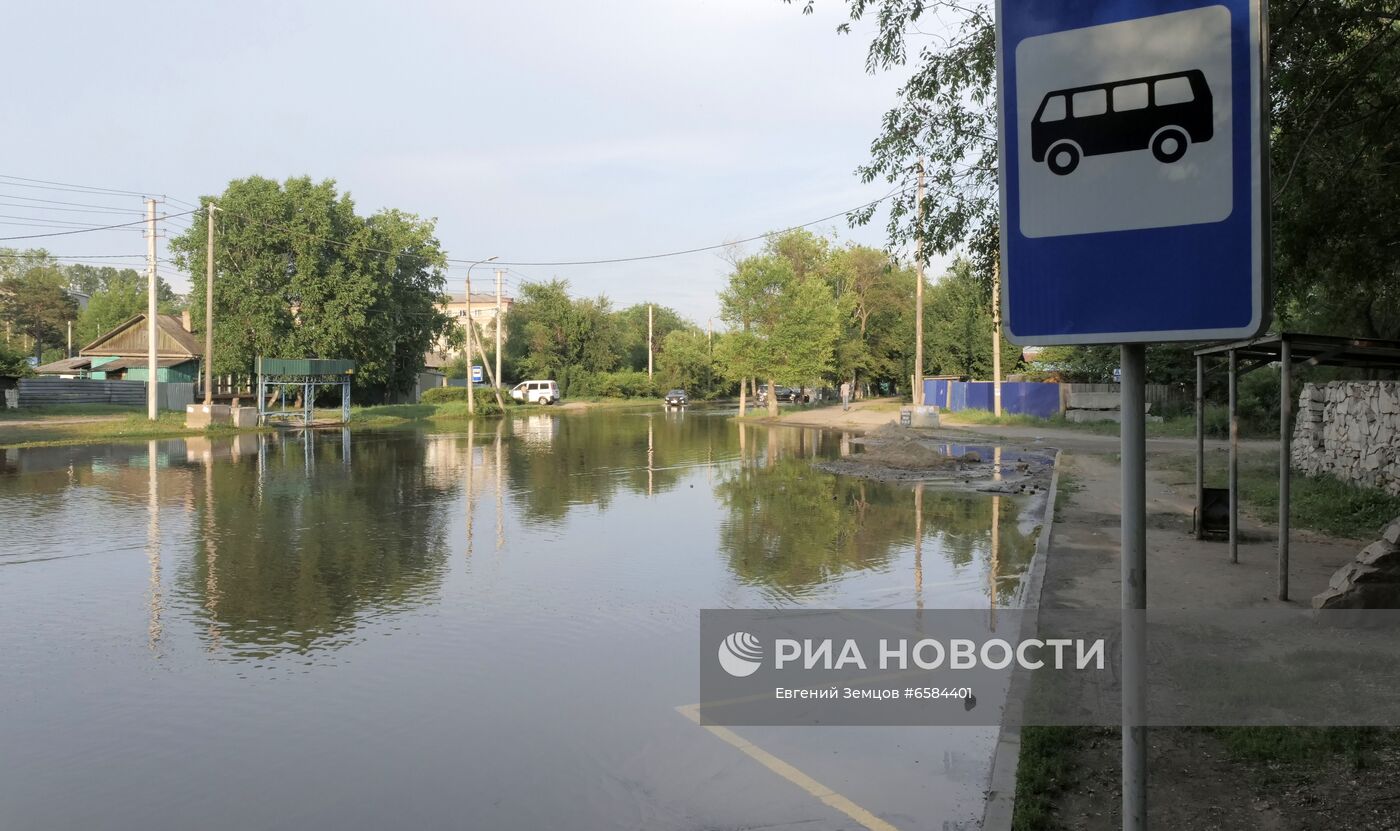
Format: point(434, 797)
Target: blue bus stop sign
point(1133, 165)
point(476, 373)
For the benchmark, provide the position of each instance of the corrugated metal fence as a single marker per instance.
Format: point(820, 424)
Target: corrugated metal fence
point(47, 392)
point(1043, 400)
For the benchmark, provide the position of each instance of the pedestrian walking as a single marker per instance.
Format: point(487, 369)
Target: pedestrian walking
point(845, 395)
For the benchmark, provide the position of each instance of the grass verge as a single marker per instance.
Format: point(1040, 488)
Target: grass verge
point(1319, 503)
point(1183, 426)
point(1044, 769)
point(131, 427)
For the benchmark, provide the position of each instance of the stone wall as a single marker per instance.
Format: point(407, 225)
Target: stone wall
point(1350, 430)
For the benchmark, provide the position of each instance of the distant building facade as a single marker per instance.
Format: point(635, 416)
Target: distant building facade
point(481, 308)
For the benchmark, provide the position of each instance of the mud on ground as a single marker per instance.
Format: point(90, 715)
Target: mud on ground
point(892, 453)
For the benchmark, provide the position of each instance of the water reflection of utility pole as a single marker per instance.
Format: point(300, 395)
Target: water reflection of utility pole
point(651, 455)
point(262, 464)
point(153, 629)
point(309, 458)
point(919, 549)
point(211, 558)
point(471, 474)
point(500, 495)
point(996, 542)
point(345, 446)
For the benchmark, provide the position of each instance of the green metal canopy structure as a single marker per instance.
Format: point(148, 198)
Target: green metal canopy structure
point(279, 374)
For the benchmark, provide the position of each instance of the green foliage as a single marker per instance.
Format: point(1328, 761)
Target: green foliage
point(958, 329)
point(1335, 111)
point(119, 297)
point(1335, 166)
point(632, 331)
point(485, 399)
point(13, 361)
point(788, 320)
point(685, 361)
point(34, 302)
point(625, 383)
point(441, 395)
point(552, 335)
point(458, 367)
point(873, 296)
point(300, 274)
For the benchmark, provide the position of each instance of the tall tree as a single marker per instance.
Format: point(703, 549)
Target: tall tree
point(792, 321)
point(300, 274)
point(684, 360)
point(958, 326)
point(555, 336)
point(632, 330)
point(36, 303)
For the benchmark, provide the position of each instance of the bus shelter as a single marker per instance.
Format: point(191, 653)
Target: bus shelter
point(278, 376)
point(1288, 349)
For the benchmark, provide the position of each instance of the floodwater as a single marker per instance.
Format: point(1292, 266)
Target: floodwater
point(477, 628)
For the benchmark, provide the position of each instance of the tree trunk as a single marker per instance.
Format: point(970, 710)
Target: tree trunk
point(743, 384)
point(772, 398)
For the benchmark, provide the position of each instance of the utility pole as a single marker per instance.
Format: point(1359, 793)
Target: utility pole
point(996, 336)
point(69, 353)
point(648, 341)
point(152, 385)
point(209, 310)
point(919, 290)
point(471, 352)
point(496, 382)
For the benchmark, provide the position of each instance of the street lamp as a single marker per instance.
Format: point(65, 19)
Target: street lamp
point(471, 338)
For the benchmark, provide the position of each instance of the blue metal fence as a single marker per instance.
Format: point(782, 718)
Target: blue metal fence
point(1017, 397)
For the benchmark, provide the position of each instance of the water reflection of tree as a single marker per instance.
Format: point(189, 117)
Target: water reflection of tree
point(291, 559)
point(589, 459)
point(792, 530)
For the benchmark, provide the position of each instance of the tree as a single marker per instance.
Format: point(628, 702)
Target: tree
point(632, 331)
point(874, 298)
point(736, 359)
point(1335, 182)
point(116, 298)
point(555, 336)
point(36, 303)
point(792, 320)
point(958, 326)
point(300, 274)
point(684, 360)
point(93, 280)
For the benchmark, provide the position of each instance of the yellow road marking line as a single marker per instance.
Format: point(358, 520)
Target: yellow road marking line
point(790, 773)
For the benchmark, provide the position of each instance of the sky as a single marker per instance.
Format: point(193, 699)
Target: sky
point(535, 132)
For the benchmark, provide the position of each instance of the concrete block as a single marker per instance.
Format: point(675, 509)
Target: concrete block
point(923, 417)
point(244, 417)
point(199, 416)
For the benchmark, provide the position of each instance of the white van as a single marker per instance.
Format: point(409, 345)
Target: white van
point(536, 392)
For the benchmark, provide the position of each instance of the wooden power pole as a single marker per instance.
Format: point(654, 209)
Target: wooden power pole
point(996, 337)
point(648, 341)
point(152, 385)
point(919, 289)
point(209, 310)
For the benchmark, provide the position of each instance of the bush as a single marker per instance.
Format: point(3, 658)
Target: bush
point(485, 399)
point(442, 395)
point(14, 362)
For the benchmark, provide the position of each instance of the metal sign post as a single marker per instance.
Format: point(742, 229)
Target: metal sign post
point(1132, 142)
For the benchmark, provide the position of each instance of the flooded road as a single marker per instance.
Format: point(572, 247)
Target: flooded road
point(485, 627)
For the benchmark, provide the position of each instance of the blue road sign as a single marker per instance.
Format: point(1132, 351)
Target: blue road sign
point(1132, 170)
point(476, 373)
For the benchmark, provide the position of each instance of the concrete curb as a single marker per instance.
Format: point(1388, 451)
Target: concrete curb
point(1001, 786)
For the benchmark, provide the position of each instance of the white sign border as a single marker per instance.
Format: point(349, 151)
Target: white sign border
point(1259, 227)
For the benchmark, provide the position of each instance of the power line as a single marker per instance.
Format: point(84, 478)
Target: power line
point(89, 230)
point(71, 210)
point(711, 247)
point(45, 184)
point(51, 201)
